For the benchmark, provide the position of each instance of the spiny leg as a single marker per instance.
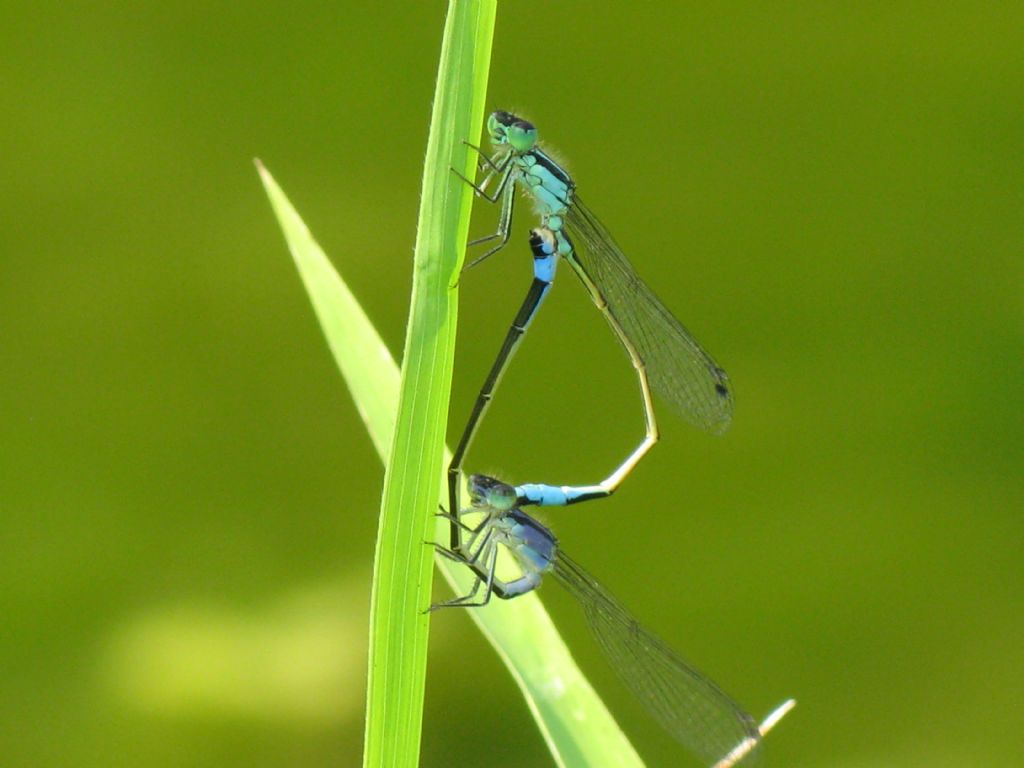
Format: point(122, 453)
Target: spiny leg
point(504, 225)
point(483, 576)
point(504, 170)
point(504, 230)
point(487, 160)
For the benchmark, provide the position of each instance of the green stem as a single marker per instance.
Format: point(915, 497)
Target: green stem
point(403, 567)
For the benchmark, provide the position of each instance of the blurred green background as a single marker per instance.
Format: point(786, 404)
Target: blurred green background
point(829, 195)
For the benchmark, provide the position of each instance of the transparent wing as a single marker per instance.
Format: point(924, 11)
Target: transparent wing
point(677, 366)
point(695, 711)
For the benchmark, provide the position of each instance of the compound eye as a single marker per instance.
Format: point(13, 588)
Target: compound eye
point(522, 136)
point(502, 496)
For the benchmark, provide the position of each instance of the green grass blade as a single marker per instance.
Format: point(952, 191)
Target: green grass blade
point(365, 362)
point(403, 563)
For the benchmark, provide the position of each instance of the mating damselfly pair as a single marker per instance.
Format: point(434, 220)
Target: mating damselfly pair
point(668, 361)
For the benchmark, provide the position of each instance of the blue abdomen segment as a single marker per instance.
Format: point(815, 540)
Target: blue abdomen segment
point(544, 269)
point(555, 495)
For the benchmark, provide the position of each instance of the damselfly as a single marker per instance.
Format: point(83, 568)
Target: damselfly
point(689, 706)
point(667, 358)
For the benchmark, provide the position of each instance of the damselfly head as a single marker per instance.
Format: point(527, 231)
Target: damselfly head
point(506, 128)
point(485, 491)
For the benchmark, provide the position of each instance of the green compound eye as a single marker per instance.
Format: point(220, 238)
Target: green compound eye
point(522, 136)
point(501, 496)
